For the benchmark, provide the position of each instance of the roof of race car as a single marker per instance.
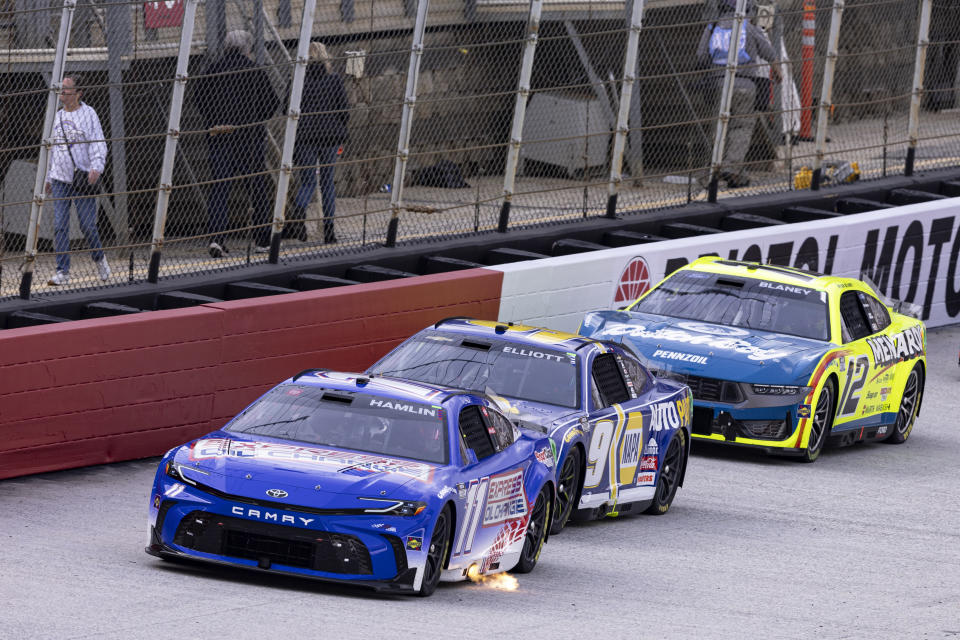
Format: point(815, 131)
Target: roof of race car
point(390, 387)
point(768, 272)
point(518, 333)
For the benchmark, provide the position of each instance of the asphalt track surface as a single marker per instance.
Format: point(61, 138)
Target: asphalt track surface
point(864, 543)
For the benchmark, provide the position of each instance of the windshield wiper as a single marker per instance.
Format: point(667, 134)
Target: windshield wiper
point(270, 424)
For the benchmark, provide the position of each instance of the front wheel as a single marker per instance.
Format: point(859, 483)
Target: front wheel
point(436, 554)
point(820, 424)
point(671, 470)
point(536, 532)
point(568, 483)
point(909, 407)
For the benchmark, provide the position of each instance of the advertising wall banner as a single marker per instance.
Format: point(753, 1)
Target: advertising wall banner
point(910, 253)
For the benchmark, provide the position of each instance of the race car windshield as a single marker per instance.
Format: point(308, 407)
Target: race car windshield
point(361, 422)
point(508, 369)
point(740, 302)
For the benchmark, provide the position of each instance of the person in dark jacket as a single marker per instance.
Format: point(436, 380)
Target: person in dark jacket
point(236, 98)
point(321, 132)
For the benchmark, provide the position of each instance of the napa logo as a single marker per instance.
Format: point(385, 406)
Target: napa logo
point(631, 447)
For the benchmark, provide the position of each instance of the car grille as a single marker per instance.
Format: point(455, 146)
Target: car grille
point(707, 389)
point(269, 544)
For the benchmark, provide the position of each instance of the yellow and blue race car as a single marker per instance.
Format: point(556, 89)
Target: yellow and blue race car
point(778, 358)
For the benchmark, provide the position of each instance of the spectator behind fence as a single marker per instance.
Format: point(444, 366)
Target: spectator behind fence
point(321, 132)
point(752, 45)
point(77, 158)
point(236, 98)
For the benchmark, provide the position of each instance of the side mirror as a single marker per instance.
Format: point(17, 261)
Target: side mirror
point(471, 457)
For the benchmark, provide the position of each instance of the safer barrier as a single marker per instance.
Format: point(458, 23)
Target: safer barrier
point(99, 391)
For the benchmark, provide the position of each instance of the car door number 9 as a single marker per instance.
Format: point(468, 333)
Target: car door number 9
point(856, 378)
point(597, 453)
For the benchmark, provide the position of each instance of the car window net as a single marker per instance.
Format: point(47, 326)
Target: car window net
point(371, 423)
point(517, 371)
point(736, 302)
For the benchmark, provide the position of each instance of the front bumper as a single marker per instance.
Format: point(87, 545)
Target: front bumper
point(363, 551)
point(779, 428)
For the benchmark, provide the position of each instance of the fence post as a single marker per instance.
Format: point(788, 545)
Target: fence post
point(623, 115)
point(406, 119)
point(726, 93)
point(170, 145)
point(36, 207)
point(923, 40)
point(290, 134)
point(807, 52)
point(520, 112)
point(826, 99)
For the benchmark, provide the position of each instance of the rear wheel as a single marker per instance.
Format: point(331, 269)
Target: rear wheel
point(568, 483)
point(436, 554)
point(821, 423)
point(536, 532)
point(909, 407)
point(671, 470)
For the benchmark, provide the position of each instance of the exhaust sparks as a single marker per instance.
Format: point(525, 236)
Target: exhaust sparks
point(502, 581)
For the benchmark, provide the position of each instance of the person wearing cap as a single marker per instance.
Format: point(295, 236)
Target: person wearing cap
point(236, 99)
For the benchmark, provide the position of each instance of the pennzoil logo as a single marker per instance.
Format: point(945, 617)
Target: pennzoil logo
point(900, 346)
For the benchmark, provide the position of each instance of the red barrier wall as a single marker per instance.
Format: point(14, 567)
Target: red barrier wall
point(98, 391)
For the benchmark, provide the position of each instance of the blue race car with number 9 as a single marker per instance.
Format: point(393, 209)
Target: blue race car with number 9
point(622, 435)
point(345, 478)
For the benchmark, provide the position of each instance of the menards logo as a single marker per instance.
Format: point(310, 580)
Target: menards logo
point(904, 345)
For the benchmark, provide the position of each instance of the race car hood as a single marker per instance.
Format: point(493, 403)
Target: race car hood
point(537, 416)
point(710, 350)
point(311, 475)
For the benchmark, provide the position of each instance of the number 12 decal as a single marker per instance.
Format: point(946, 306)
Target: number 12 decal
point(856, 378)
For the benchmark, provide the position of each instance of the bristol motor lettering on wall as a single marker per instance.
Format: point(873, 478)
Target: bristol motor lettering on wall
point(910, 256)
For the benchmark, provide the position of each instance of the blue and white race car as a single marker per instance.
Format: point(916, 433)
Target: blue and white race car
point(778, 359)
point(623, 436)
point(384, 483)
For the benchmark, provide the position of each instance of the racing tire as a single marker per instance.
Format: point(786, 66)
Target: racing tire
point(568, 486)
point(909, 407)
point(671, 470)
point(821, 423)
point(536, 532)
point(436, 554)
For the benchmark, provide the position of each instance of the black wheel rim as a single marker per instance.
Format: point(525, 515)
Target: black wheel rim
point(536, 528)
point(821, 417)
point(908, 404)
point(567, 489)
point(438, 546)
point(669, 472)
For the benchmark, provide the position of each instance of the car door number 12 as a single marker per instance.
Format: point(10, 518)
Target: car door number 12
point(856, 378)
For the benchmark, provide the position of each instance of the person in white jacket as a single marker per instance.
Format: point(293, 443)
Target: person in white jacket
point(77, 144)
